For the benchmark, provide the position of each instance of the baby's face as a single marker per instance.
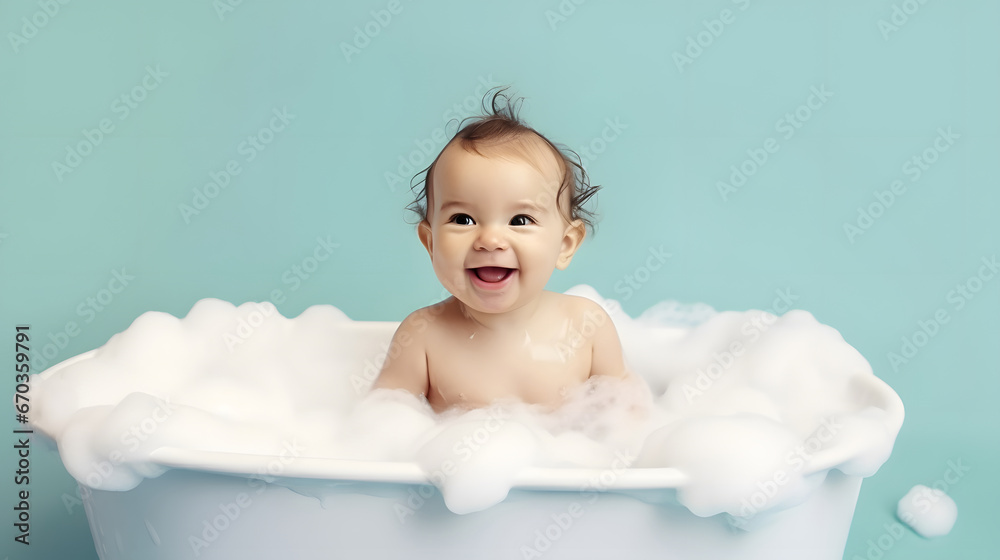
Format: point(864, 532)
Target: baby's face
point(494, 229)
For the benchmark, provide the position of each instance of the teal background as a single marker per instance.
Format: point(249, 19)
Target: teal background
point(325, 175)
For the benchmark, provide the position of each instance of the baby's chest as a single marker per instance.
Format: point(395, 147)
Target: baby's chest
point(532, 371)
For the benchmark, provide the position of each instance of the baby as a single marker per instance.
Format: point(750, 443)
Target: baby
point(500, 208)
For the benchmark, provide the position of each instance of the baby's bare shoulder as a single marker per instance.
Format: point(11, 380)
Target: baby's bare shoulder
point(427, 320)
point(597, 324)
point(599, 329)
point(578, 306)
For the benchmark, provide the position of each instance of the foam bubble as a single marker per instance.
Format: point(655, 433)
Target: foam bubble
point(474, 459)
point(386, 426)
point(738, 464)
point(929, 511)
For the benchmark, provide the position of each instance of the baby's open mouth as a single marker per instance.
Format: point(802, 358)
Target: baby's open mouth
point(492, 274)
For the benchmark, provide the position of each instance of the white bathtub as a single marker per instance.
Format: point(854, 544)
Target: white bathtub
point(359, 519)
point(216, 505)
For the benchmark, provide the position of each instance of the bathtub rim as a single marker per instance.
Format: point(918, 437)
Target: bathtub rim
point(537, 478)
point(400, 472)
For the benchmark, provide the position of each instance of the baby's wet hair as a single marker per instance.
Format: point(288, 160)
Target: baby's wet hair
point(500, 124)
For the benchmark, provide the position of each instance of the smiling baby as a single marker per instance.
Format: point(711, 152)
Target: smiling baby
point(501, 207)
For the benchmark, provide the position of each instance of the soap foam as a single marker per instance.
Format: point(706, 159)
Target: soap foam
point(744, 404)
point(929, 511)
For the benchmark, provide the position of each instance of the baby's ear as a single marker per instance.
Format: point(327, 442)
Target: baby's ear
point(575, 232)
point(424, 233)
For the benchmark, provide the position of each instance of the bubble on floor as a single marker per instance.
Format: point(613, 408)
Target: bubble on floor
point(929, 511)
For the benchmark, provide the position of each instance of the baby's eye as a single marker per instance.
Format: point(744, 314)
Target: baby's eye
point(521, 220)
point(460, 219)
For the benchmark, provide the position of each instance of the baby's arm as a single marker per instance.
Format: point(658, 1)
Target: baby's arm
point(405, 364)
point(607, 358)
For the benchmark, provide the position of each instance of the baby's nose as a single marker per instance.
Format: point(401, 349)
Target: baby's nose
point(491, 239)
